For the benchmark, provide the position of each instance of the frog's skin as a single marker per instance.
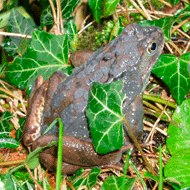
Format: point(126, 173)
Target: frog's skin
point(130, 57)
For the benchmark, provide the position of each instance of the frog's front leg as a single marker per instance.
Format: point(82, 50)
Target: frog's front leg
point(134, 116)
point(40, 98)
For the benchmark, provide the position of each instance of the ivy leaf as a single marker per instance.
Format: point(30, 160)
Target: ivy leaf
point(104, 113)
point(47, 53)
point(67, 8)
point(4, 17)
point(4, 122)
point(179, 136)
point(164, 23)
point(89, 181)
point(109, 7)
point(8, 143)
point(3, 67)
point(20, 130)
point(116, 183)
point(17, 24)
point(95, 6)
point(175, 72)
point(178, 143)
point(23, 47)
point(178, 167)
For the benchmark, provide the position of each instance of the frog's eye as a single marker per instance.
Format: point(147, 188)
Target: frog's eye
point(152, 48)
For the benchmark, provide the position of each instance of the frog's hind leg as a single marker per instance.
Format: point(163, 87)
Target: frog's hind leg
point(50, 162)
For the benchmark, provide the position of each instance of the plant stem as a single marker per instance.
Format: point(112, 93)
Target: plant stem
point(138, 147)
point(159, 100)
point(59, 160)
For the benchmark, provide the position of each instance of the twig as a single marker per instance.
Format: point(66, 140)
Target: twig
point(69, 184)
point(53, 12)
point(159, 13)
point(179, 25)
point(15, 35)
point(127, 11)
point(178, 50)
point(138, 8)
point(8, 163)
point(36, 183)
point(186, 1)
point(9, 93)
point(187, 47)
point(124, 12)
point(183, 33)
point(140, 3)
point(157, 121)
point(86, 27)
point(61, 18)
point(157, 128)
point(170, 49)
point(138, 146)
point(166, 3)
point(58, 18)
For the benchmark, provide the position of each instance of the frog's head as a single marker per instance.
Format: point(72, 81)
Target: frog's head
point(150, 42)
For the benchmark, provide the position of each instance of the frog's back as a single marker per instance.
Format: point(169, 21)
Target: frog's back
point(130, 57)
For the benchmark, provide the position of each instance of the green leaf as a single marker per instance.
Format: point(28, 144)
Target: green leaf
point(8, 143)
point(4, 122)
point(71, 30)
point(104, 113)
point(17, 24)
point(19, 131)
point(93, 177)
point(115, 183)
point(7, 182)
point(67, 8)
point(179, 136)
point(117, 29)
point(178, 167)
point(3, 67)
point(47, 53)
point(33, 162)
point(109, 7)
point(88, 181)
point(176, 2)
point(95, 6)
point(4, 17)
point(175, 72)
point(164, 23)
point(23, 47)
point(173, 182)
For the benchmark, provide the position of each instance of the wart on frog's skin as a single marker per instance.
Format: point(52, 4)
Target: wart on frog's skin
point(130, 58)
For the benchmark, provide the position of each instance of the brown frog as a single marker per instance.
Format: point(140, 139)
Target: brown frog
point(130, 57)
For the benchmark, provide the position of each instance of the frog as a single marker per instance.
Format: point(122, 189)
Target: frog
point(130, 57)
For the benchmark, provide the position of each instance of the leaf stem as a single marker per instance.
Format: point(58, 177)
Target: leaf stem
point(159, 100)
point(59, 160)
point(138, 146)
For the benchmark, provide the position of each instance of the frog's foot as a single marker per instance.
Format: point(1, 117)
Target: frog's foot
point(36, 103)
